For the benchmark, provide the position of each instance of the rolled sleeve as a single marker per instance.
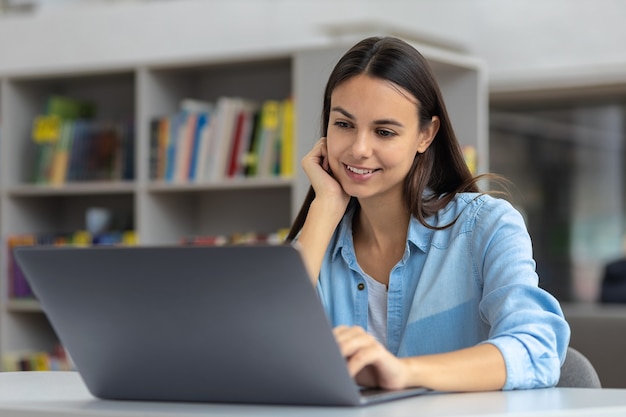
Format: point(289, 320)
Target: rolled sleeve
point(533, 344)
point(527, 324)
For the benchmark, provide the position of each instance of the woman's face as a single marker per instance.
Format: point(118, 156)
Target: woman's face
point(373, 137)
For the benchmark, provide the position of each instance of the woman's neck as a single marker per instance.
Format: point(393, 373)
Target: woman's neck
point(379, 236)
point(381, 225)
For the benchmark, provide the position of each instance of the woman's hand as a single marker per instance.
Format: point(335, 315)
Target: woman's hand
point(325, 211)
point(369, 362)
point(477, 368)
point(327, 188)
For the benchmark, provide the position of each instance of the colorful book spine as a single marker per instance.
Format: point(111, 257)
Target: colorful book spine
point(57, 360)
point(17, 283)
point(287, 140)
point(71, 146)
point(233, 138)
point(202, 122)
point(242, 238)
point(86, 151)
point(18, 286)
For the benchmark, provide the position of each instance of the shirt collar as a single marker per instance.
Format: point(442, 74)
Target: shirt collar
point(418, 234)
point(344, 231)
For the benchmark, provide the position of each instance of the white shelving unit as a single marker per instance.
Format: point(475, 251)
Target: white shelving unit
point(162, 213)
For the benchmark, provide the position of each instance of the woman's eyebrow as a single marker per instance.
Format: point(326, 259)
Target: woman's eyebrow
point(376, 122)
point(343, 111)
point(388, 122)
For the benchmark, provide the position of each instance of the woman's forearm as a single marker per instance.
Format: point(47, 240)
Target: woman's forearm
point(320, 224)
point(479, 368)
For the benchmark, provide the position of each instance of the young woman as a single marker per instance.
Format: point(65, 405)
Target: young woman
point(428, 281)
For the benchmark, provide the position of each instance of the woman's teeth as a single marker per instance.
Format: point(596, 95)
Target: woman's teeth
point(359, 171)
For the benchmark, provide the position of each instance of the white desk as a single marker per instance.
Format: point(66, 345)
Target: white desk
point(46, 394)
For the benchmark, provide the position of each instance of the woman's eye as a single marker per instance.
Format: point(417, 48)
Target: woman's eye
point(385, 133)
point(343, 125)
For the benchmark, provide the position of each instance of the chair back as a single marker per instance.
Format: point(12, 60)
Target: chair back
point(578, 372)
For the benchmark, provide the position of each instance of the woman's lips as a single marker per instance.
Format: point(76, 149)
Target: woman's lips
point(359, 173)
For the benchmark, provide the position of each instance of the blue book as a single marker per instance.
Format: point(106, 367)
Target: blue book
point(177, 121)
point(203, 119)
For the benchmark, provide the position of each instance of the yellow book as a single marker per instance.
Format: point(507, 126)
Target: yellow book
point(82, 238)
point(266, 139)
point(10, 362)
point(40, 361)
point(129, 237)
point(163, 136)
point(46, 131)
point(60, 158)
point(287, 144)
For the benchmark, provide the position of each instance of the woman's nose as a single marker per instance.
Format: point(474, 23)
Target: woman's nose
point(362, 145)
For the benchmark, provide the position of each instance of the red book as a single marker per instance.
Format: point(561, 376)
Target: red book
point(233, 160)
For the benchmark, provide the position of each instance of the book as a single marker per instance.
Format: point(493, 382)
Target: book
point(287, 140)
point(176, 124)
point(202, 122)
point(233, 137)
point(128, 150)
point(204, 147)
point(46, 128)
point(28, 360)
point(73, 147)
point(184, 147)
point(70, 108)
point(231, 166)
point(162, 144)
point(153, 164)
point(249, 157)
point(239, 238)
point(241, 140)
point(77, 153)
point(18, 286)
point(177, 140)
point(267, 138)
point(225, 115)
point(46, 132)
point(61, 155)
point(104, 153)
point(200, 112)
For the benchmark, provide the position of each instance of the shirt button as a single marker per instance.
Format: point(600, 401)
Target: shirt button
point(361, 286)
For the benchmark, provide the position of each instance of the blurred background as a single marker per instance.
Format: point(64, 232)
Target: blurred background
point(556, 94)
point(556, 73)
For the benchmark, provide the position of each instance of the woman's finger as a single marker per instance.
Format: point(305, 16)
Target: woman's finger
point(350, 339)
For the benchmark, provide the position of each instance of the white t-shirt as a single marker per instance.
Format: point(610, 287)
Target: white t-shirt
point(377, 309)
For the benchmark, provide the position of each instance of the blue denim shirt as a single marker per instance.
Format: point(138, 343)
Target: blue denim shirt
point(471, 283)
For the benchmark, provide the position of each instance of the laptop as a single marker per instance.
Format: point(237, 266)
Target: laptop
point(234, 324)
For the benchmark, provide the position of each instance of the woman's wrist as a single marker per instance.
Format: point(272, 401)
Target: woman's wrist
point(413, 372)
point(330, 209)
point(319, 226)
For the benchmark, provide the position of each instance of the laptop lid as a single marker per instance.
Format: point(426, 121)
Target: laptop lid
point(239, 324)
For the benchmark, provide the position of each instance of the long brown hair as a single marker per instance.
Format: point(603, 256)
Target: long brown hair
point(441, 168)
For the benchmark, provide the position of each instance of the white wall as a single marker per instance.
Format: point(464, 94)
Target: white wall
point(557, 41)
point(537, 43)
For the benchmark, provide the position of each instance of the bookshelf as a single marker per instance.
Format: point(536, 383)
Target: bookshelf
point(164, 212)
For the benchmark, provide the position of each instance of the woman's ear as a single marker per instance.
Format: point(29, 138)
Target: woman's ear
point(426, 136)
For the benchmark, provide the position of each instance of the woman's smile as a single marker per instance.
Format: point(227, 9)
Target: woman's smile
point(359, 174)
